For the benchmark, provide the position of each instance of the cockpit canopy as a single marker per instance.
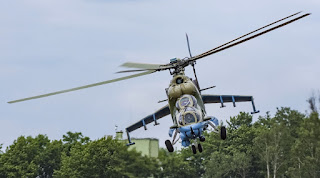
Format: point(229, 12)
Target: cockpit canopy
point(188, 112)
point(186, 101)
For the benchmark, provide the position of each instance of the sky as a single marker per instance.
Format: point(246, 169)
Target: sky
point(46, 46)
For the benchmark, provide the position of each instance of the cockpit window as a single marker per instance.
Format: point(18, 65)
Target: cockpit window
point(189, 118)
point(184, 101)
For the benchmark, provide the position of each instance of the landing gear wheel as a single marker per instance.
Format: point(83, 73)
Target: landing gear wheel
point(223, 133)
point(200, 148)
point(169, 145)
point(194, 149)
point(202, 139)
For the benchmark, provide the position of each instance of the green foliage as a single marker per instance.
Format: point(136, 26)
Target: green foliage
point(175, 165)
point(232, 157)
point(72, 139)
point(285, 145)
point(105, 158)
point(306, 150)
point(75, 156)
point(30, 157)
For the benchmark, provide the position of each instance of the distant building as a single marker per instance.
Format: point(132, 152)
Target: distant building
point(147, 146)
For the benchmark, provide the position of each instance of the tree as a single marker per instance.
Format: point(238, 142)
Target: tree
point(50, 158)
point(175, 165)
point(218, 165)
point(27, 157)
point(72, 139)
point(307, 148)
point(1, 164)
point(273, 141)
point(291, 119)
point(105, 158)
point(312, 100)
point(233, 156)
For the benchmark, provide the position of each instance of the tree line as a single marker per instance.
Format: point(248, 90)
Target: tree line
point(284, 145)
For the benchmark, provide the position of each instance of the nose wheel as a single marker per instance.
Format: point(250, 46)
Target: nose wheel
point(202, 139)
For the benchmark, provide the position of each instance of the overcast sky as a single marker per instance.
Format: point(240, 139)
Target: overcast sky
point(53, 45)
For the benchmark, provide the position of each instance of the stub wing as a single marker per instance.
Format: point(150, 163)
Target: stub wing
point(227, 99)
point(164, 111)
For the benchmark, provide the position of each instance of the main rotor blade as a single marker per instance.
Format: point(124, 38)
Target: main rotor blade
point(188, 45)
point(83, 87)
point(136, 70)
point(255, 31)
point(141, 65)
point(219, 48)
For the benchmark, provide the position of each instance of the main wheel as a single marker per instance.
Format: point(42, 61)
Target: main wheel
point(223, 133)
point(200, 148)
point(202, 139)
point(194, 149)
point(169, 145)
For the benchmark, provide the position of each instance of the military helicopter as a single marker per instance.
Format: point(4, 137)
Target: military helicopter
point(186, 104)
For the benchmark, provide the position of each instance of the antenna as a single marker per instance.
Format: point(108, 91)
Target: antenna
point(193, 63)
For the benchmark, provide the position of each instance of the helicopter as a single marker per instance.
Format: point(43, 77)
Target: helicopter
point(186, 103)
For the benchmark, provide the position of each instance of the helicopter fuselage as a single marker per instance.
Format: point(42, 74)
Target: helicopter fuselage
point(186, 108)
point(182, 85)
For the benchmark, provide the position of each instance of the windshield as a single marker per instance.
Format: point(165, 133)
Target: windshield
point(186, 101)
point(189, 118)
